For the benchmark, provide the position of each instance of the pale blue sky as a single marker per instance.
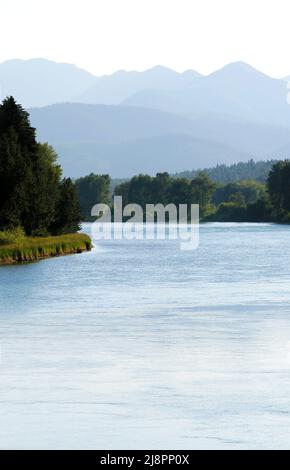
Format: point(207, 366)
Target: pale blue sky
point(106, 35)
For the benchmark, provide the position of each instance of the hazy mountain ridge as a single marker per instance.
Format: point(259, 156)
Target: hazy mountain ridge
point(40, 82)
point(115, 88)
point(76, 122)
point(236, 89)
point(124, 140)
point(174, 152)
point(113, 124)
point(173, 120)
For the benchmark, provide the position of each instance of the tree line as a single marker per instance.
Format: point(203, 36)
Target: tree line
point(246, 200)
point(221, 173)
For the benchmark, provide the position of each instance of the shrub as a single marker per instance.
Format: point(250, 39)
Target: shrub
point(15, 235)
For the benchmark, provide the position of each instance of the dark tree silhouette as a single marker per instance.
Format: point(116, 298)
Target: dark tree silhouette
point(31, 190)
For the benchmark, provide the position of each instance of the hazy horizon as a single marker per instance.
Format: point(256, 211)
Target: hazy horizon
point(155, 66)
point(101, 36)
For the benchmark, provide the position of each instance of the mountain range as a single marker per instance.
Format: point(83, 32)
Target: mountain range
point(156, 120)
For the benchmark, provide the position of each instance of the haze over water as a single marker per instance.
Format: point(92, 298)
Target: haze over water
point(140, 345)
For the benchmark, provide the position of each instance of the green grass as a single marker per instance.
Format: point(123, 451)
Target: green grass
point(35, 248)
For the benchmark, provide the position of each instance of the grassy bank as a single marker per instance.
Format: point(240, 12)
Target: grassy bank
point(36, 248)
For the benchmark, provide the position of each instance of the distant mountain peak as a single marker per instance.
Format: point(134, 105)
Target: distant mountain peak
point(38, 82)
point(191, 73)
point(240, 64)
point(39, 62)
point(161, 68)
point(238, 68)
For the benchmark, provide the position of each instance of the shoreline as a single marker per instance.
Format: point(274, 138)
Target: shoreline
point(39, 248)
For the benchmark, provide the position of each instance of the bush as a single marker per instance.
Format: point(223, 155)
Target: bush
point(230, 212)
point(15, 235)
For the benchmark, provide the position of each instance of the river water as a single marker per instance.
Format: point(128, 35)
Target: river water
point(138, 344)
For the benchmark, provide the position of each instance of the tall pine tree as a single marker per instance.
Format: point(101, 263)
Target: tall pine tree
point(68, 212)
point(18, 155)
point(32, 194)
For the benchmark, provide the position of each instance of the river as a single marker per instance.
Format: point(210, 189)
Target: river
point(138, 344)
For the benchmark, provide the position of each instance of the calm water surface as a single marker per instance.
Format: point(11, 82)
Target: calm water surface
point(140, 345)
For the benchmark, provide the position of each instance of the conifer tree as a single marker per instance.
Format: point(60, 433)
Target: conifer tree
point(68, 213)
point(32, 194)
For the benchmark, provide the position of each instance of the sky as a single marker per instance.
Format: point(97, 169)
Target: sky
point(103, 36)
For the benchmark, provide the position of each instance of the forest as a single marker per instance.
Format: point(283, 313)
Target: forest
point(244, 200)
point(250, 170)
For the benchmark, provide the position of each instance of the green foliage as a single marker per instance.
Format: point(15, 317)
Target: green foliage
point(164, 189)
point(278, 185)
point(15, 235)
point(250, 190)
point(241, 201)
point(44, 191)
point(237, 171)
point(68, 212)
point(123, 189)
point(91, 190)
point(230, 212)
point(31, 190)
point(179, 191)
point(34, 248)
point(202, 189)
point(14, 177)
point(261, 210)
point(141, 190)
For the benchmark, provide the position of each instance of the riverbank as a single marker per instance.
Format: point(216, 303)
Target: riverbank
point(37, 248)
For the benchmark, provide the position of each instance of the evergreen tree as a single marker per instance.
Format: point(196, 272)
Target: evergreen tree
point(31, 192)
point(44, 191)
point(161, 188)
point(123, 189)
point(91, 190)
point(179, 192)
point(250, 189)
point(13, 116)
point(201, 191)
point(18, 156)
point(225, 174)
point(278, 185)
point(68, 212)
point(140, 190)
point(13, 181)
